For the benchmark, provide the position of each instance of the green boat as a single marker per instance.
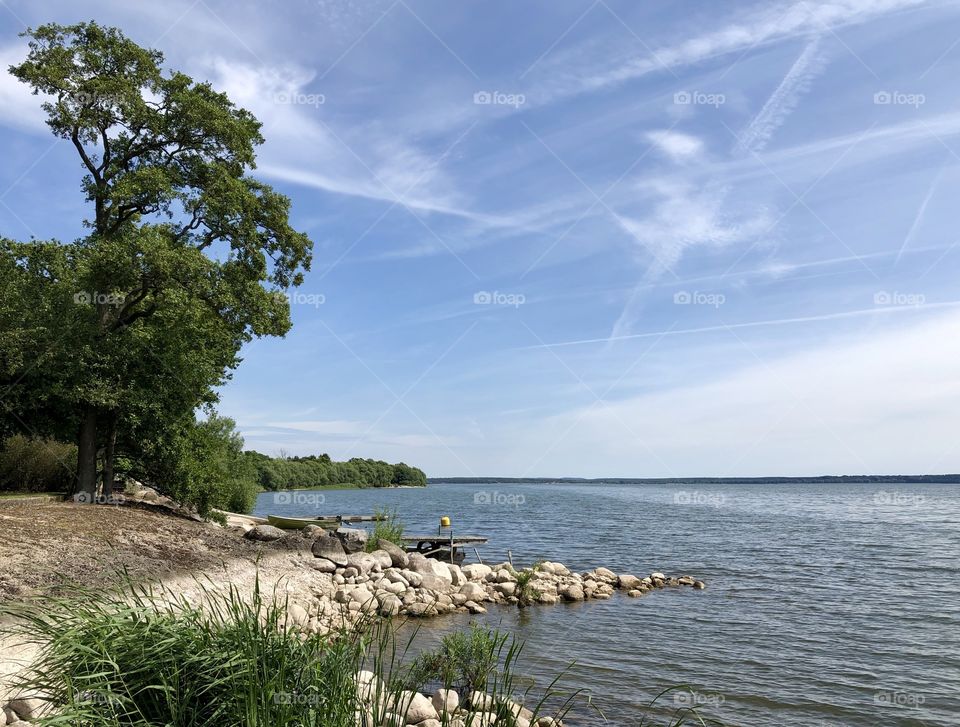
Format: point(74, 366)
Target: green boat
point(299, 523)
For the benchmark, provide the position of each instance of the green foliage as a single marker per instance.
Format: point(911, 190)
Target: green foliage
point(33, 464)
point(124, 333)
point(285, 473)
point(390, 529)
point(524, 591)
point(141, 659)
point(465, 661)
point(203, 465)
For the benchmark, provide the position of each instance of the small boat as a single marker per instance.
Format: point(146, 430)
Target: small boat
point(298, 523)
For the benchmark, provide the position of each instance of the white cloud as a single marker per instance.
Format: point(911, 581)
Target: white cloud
point(675, 144)
point(783, 100)
point(336, 426)
point(19, 108)
point(769, 24)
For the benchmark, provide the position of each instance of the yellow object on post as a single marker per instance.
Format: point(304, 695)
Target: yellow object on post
point(445, 522)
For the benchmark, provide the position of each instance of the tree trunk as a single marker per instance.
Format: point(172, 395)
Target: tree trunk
point(108, 454)
point(87, 457)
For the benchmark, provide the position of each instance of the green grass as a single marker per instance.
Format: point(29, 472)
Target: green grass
point(123, 658)
point(389, 528)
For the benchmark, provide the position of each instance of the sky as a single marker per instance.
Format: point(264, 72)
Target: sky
point(583, 238)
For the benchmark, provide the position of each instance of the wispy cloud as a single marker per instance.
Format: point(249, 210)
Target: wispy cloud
point(783, 100)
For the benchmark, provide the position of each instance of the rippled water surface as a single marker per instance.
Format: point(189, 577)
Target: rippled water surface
point(826, 605)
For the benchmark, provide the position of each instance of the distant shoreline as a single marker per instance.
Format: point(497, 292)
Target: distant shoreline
point(822, 479)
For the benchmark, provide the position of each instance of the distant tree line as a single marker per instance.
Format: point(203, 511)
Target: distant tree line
point(284, 473)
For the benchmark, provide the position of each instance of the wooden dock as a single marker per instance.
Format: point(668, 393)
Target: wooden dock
point(443, 543)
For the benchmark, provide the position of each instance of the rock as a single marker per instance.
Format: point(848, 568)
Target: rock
point(312, 532)
point(418, 707)
point(353, 539)
point(547, 598)
point(297, 616)
point(323, 565)
point(431, 567)
point(506, 589)
point(264, 533)
point(398, 557)
point(446, 700)
point(634, 593)
point(430, 723)
point(363, 562)
point(482, 719)
point(329, 547)
point(457, 578)
point(548, 722)
point(476, 571)
point(606, 574)
point(505, 576)
point(572, 593)
point(482, 702)
point(390, 605)
point(657, 575)
point(382, 557)
point(392, 720)
point(395, 588)
point(699, 585)
point(474, 607)
point(685, 580)
point(628, 582)
point(421, 609)
point(473, 591)
point(27, 708)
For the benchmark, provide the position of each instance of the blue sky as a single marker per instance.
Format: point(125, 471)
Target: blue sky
point(581, 238)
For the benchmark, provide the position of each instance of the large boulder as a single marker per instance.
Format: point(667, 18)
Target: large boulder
point(446, 701)
point(476, 571)
point(572, 593)
point(430, 567)
point(416, 707)
point(383, 558)
point(354, 540)
point(398, 556)
point(312, 532)
point(605, 574)
point(629, 583)
point(330, 547)
point(473, 591)
point(457, 578)
point(264, 533)
point(363, 562)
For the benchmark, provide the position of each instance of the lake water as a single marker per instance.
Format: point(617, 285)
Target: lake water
point(826, 605)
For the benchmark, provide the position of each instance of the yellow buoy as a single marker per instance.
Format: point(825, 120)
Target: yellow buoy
point(445, 522)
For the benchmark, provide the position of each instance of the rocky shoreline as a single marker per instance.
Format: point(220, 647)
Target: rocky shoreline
point(392, 582)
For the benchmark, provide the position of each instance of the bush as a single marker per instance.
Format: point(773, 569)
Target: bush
point(33, 464)
point(390, 528)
